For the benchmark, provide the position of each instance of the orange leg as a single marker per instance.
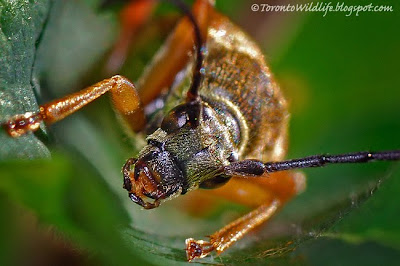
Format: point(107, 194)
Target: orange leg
point(127, 101)
point(123, 95)
point(268, 193)
point(132, 17)
point(174, 54)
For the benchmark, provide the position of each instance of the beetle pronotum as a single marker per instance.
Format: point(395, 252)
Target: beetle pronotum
point(229, 122)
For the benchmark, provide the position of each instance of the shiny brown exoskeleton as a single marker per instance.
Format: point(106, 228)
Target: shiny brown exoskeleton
point(220, 123)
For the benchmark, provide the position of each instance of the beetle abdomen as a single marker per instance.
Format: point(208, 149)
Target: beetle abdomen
point(239, 86)
point(237, 77)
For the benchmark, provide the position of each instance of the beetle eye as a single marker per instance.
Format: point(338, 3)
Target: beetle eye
point(181, 115)
point(175, 119)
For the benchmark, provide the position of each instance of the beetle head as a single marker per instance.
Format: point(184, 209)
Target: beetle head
point(173, 162)
point(153, 177)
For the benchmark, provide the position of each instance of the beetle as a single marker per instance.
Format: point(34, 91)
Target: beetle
point(219, 124)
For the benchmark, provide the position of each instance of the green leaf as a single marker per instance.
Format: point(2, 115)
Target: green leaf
point(382, 213)
point(21, 23)
point(72, 199)
point(339, 74)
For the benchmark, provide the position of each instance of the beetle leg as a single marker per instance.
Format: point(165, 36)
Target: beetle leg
point(132, 17)
point(124, 97)
point(228, 235)
point(253, 192)
point(174, 55)
point(268, 193)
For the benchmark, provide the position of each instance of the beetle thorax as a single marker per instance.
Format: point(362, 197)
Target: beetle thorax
point(200, 152)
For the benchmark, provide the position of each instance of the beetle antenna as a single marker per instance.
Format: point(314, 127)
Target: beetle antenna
point(256, 168)
point(321, 160)
point(193, 92)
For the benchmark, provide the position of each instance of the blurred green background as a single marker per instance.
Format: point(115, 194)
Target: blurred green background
point(339, 73)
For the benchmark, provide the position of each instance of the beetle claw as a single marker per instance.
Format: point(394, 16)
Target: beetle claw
point(197, 249)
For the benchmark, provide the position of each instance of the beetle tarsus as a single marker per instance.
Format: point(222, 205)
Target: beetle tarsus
point(197, 249)
point(22, 124)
